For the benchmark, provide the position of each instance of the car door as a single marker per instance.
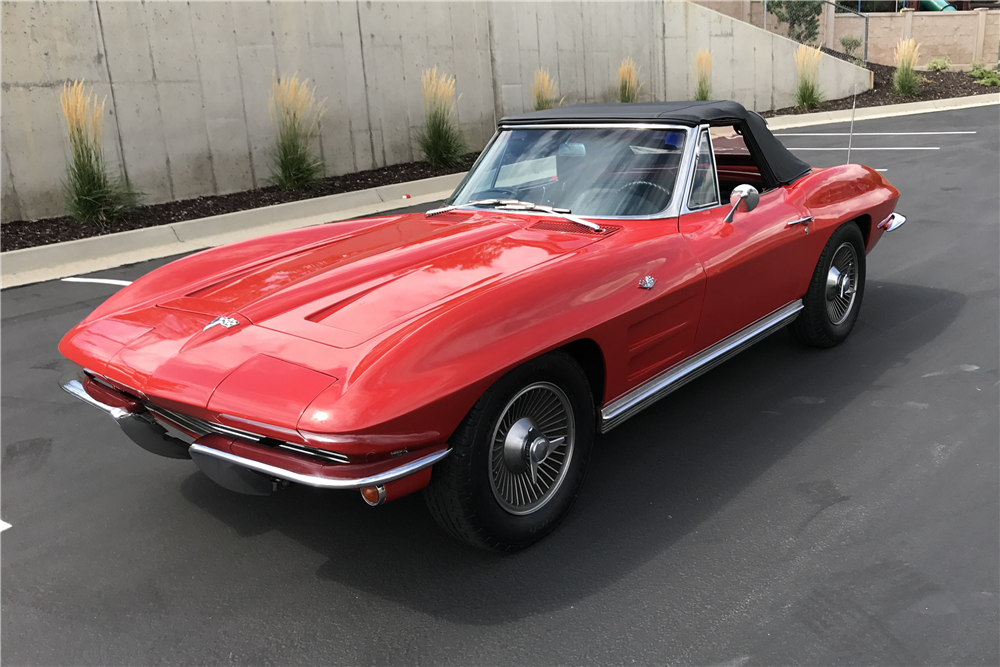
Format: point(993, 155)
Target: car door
point(752, 264)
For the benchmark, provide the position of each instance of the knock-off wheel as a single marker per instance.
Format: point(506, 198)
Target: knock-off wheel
point(518, 458)
point(832, 303)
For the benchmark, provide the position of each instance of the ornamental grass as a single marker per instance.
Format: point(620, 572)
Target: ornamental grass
point(703, 64)
point(543, 90)
point(905, 79)
point(441, 141)
point(807, 92)
point(628, 81)
point(91, 194)
point(296, 115)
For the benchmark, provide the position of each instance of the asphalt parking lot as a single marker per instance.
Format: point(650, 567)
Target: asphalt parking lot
point(793, 506)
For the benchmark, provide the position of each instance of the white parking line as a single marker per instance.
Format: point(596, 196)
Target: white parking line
point(868, 134)
point(4, 526)
point(102, 281)
point(868, 148)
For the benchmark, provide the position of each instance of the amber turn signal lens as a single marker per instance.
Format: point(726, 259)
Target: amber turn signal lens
point(373, 495)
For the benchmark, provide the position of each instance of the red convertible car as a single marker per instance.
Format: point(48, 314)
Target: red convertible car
point(596, 258)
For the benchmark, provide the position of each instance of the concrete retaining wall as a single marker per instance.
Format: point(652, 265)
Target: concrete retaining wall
point(187, 84)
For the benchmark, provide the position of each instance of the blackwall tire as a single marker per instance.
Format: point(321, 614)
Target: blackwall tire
point(485, 492)
point(833, 301)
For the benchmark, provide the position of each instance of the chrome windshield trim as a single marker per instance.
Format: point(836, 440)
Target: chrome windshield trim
point(323, 482)
point(636, 400)
point(592, 126)
point(681, 182)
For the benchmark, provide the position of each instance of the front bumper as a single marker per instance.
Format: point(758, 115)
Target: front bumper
point(243, 465)
point(892, 223)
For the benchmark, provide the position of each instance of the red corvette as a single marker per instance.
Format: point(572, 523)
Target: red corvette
point(596, 258)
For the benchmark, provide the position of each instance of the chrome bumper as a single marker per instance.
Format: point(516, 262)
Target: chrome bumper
point(892, 223)
point(242, 474)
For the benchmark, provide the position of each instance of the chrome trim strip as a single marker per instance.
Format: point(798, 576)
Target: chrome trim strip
point(202, 427)
point(323, 482)
point(892, 223)
point(620, 409)
point(327, 455)
point(806, 220)
point(75, 388)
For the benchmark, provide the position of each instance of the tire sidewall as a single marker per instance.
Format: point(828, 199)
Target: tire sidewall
point(851, 234)
point(562, 371)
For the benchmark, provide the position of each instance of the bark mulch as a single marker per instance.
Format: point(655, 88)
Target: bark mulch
point(936, 86)
point(19, 234)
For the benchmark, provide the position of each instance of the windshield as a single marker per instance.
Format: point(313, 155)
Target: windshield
point(591, 172)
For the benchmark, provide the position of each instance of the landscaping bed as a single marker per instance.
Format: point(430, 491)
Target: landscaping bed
point(26, 234)
point(19, 234)
point(936, 86)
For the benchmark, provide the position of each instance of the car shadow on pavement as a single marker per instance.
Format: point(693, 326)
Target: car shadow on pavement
point(651, 482)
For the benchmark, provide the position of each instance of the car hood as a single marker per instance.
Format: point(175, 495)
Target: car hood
point(291, 306)
point(344, 291)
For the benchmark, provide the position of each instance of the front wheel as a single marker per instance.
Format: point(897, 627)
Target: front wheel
point(832, 303)
point(519, 457)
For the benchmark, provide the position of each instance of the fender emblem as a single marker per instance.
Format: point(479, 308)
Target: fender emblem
point(228, 322)
point(647, 282)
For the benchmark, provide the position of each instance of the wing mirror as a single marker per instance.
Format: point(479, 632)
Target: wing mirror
point(746, 195)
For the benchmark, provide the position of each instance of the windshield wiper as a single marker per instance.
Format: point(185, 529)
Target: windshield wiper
point(517, 205)
point(470, 204)
point(561, 212)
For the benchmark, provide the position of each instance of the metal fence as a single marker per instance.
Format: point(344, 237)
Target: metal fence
point(836, 27)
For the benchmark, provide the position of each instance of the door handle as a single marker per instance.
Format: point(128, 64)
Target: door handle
point(801, 221)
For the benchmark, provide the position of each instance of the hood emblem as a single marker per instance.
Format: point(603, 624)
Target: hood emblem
point(228, 322)
point(647, 282)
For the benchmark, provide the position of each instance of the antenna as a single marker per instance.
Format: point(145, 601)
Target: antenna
point(850, 136)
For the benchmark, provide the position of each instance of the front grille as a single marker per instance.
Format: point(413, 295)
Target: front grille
point(200, 427)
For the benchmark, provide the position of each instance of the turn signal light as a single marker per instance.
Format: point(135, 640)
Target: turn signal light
point(373, 495)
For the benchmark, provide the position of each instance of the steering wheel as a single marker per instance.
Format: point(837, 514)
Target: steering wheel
point(652, 185)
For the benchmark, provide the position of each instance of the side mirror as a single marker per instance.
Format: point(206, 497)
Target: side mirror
point(746, 195)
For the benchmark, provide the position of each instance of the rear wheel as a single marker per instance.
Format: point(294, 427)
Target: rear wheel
point(831, 306)
point(519, 457)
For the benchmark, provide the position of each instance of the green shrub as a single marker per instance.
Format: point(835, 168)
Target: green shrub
point(978, 64)
point(91, 194)
point(704, 65)
point(807, 92)
point(441, 141)
point(296, 114)
point(986, 77)
point(628, 81)
point(850, 44)
point(802, 17)
point(941, 64)
point(905, 79)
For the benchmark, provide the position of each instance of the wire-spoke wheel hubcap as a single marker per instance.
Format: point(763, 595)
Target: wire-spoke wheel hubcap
point(531, 448)
point(841, 283)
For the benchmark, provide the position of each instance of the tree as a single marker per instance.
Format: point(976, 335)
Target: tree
point(802, 17)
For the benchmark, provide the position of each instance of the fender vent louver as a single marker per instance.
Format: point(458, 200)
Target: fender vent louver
point(572, 228)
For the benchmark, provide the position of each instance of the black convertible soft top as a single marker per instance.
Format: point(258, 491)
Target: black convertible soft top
point(781, 166)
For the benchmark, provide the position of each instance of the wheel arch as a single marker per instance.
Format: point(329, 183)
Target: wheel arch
point(588, 353)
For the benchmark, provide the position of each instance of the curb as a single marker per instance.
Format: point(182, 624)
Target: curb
point(59, 260)
point(888, 111)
